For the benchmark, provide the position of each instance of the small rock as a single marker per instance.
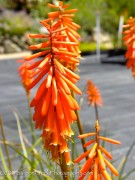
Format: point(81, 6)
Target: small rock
point(1, 49)
point(11, 47)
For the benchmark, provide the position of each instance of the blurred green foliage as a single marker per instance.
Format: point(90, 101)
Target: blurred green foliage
point(15, 23)
point(110, 12)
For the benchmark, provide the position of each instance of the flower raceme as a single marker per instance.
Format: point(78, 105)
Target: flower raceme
point(97, 159)
point(93, 94)
point(64, 19)
point(54, 107)
point(129, 40)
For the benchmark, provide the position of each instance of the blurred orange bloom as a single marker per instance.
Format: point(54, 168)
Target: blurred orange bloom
point(129, 39)
point(93, 94)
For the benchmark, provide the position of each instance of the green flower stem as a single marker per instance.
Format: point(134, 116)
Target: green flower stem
point(80, 127)
point(64, 168)
point(5, 146)
point(97, 125)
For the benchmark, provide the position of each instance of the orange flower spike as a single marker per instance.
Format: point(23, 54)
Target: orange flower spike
point(109, 140)
point(93, 94)
point(113, 170)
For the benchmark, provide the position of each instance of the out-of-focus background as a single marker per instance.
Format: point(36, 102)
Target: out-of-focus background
point(19, 17)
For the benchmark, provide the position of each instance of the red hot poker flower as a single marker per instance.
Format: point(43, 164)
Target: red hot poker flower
point(93, 94)
point(53, 104)
point(129, 40)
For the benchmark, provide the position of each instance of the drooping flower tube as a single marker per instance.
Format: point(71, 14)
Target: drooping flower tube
point(129, 40)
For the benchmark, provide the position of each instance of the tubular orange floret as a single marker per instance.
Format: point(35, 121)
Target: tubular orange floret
point(86, 135)
point(105, 152)
point(114, 171)
point(82, 156)
point(109, 140)
point(89, 143)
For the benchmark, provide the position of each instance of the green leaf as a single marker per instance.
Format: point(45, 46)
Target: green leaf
point(4, 164)
point(125, 160)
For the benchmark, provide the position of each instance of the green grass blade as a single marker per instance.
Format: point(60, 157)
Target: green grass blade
point(4, 164)
point(43, 174)
point(20, 135)
point(130, 172)
point(126, 158)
